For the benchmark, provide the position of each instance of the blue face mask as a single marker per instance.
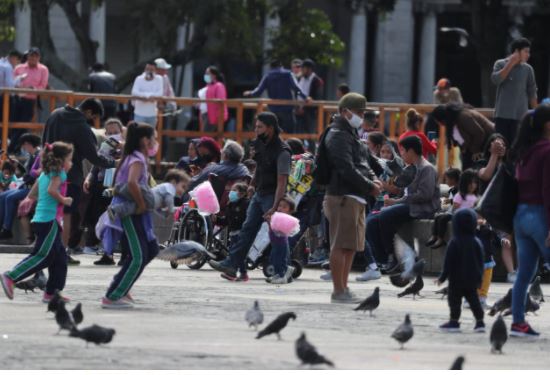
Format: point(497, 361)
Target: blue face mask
point(233, 196)
point(207, 78)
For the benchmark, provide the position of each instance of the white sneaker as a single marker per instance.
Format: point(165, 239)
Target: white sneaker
point(280, 280)
point(511, 277)
point(368, 275)
point(326, 276)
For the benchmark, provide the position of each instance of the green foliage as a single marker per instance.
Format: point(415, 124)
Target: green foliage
point(7, 23)
point(305, 33)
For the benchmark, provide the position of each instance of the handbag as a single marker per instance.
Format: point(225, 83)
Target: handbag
point(499, 202)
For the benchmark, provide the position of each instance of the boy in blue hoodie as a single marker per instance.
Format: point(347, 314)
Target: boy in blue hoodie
point(463, 266)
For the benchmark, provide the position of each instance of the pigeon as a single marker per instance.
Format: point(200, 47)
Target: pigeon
point(184, 252)
point(499, 335)
point(62, 317)
point(404, 332)
point(96, 334)
point(277, 325)
point(530, 306)
point(77, 314)
point(371, 302)
point(27, 285)
point(535, 291)
point(501, 304)
point(414, 288)
point(254, 316)
point(307, 353)
point(443, 292)
point(40, 280)
point(457, 364)
point(54, 302)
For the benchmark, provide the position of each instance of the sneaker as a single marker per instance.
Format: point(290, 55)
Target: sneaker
point(6, 234)
point(72, 261)
point(122, 303)
point(450, 326)
point(128, 298)
point(344, 297)
point(224, 267)
point(511, 277)
point(90, 250)
point(369, 274)
point(352, 295)
point(243, 277)
point(430, 242)
point(318, 257)
point(279, 280)
point(229, 277)
point(483, 303)
point(523, 330)
point(326, 276)
point(289, 272)
point(480, 327)
point(7, 285)
point(75, 250)
point(105, 260)
point(326, 265)
point(46, 298)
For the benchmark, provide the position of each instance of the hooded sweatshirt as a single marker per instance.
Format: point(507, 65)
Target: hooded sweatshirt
point(463, 264)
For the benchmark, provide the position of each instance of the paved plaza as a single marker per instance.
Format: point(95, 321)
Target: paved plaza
point(195, 320)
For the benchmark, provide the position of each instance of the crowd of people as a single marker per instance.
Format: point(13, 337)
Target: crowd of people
point(365, 188)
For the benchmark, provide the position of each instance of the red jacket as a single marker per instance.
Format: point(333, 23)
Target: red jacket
point(428, 147)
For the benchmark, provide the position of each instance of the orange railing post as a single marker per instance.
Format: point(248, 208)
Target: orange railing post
point(5, 123)
point(320, 120)
point(221, 122)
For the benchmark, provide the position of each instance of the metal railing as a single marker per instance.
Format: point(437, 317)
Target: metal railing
point(392, 119)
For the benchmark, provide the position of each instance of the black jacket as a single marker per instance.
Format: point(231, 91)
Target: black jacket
point(349, 161)
point(266, 160)
point(463, 264)
point(69, 125)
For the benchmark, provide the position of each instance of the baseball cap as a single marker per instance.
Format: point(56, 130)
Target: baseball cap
point(353, 100)
point(33, 50)
point(162, 64)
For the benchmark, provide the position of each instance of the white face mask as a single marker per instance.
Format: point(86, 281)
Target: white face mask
point(355, 120)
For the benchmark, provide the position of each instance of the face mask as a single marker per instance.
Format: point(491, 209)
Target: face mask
point(207, 78)
point(149, 75)
point(117, 137)
point(25, 154)
point(355, 120)
point(153, 151)
point(233, 196)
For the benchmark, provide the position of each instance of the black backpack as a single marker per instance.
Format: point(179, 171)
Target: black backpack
point(321, 174)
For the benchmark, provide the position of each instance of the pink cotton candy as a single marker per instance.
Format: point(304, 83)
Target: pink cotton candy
point(206, 199)
point(285, 224)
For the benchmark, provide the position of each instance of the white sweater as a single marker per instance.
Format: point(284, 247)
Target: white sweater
point(146, 89)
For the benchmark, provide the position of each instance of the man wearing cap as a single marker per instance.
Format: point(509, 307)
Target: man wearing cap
point(103, 82)
point(31, 75)
point(351, 182)
point(269, 182)
point(444, 93)
point(147, 86)
point(162, 68)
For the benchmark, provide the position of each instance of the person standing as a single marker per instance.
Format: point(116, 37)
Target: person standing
point(103, 82)
point(30, 75)
point(280, 84)
point(269, 186)
point(7, 64)
point(215, 89)
point(516, 88)
point(147, 86)
point(162, 68)
point(312, 86)
point(531, 152)
point(352, 181)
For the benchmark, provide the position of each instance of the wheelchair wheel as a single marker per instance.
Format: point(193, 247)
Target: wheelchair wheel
point(195, 227)
point(297, 268)
point(267, 268)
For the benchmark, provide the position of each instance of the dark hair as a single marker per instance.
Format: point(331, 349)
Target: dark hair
point(30, 138)
point(531, 130)
point(8, 166)
point(275, 63)
point(98, 67)
point(15, 53)
point(177, 176)
point(216, 72)
point(413, 142)
point(269, 119)
point(308, 63)
point(240, 187)
point(453, 173)
point(136, 131)
point(291, 203)
point(92, 104)
point(413, 119)
point(296, 146)
point(466, 178)
point(54, 155)
point(519, 44)
point(377, 138)
point(344, 88)
point(448, 115)
point(250, 164)
point(491, 139)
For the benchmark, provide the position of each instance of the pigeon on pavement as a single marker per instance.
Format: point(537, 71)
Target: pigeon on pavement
point(371, 302)
point(498, 336)
point(501, 304)
point(443, 292)
point(62, 317)
point(254, 317)
point(414, 288)
point(77, 314)
point(54, 302)
point(96, 334)
point(404, 332)
point(308, 354)
point(535, 291)
point(277, 325)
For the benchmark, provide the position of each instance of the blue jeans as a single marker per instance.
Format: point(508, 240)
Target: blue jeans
point(530, 230)
point(279, 253)
point(259, 205)
point(151, 120)
point(9, 200)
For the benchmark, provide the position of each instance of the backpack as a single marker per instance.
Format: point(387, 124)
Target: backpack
point(321, 174)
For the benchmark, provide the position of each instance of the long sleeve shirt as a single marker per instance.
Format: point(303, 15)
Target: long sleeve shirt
point(36, 77)
point(6, 73)
point(280, 84)
point(147, 89)
point(216, 91)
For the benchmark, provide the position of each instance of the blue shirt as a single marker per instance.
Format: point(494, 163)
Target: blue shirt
point(46, 208)
point(6, 73)
point(280, 84)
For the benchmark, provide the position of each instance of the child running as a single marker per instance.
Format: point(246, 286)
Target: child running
point(48, 250)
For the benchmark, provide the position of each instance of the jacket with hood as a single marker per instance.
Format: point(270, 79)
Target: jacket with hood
point(463, 264)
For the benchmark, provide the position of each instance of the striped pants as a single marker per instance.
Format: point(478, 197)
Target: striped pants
point(140, 253)
point(48, 252)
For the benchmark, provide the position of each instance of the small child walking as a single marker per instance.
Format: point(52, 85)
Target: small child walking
point(48, 250)
point(463, 266)
point(280, 251)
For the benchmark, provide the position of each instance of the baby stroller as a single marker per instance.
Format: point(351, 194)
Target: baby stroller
point(191, 224)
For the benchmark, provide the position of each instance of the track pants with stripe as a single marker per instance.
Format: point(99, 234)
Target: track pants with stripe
point(48, 252)
point(140, 252)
